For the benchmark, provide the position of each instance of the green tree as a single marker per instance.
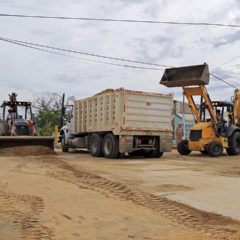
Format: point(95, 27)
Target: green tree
point(47, 109)
point(46, 120)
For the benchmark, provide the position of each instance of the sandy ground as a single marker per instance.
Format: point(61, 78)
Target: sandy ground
point(75, 196)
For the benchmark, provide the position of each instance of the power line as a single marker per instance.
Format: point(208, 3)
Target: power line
point(122, 20)
point(229, 61)
point(40, 47)
point(220, 79)
point(82, 53)
point(84, 59)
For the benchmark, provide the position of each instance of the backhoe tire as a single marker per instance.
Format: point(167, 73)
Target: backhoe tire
point(234, 144)
point(110, 146)
point(182, 147)
point(64, 147)
point(215, 149)
point(95, 145)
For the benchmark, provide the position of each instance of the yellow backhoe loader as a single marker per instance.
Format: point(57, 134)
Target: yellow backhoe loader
point(212, 132)
point(18, 126)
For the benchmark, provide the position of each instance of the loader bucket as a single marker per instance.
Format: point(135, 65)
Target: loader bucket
point(16, 141)
point(186, 76)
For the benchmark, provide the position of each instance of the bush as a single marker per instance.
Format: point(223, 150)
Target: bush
point(46, 120)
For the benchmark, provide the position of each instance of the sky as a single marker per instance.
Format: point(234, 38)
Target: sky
point(30, 72)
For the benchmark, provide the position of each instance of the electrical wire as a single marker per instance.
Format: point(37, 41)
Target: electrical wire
point(227, 62)
point(84, 59)
point(83, 53)
point(40, 47)
point(122, 20)
point(220, 79)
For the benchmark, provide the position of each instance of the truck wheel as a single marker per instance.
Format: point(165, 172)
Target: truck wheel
point(154, 153)
point(110, 146)
point(64, 147)
point(137, 153)
point(204, 152)
point(95, 145)
point(215, 149)
point(229, 151)
point(182, 147)
point(234, 144)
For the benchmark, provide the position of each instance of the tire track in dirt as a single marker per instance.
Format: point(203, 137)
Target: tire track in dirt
point(216, 225)
point(21, 213)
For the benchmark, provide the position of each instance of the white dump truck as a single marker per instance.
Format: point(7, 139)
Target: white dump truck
point(120, 121)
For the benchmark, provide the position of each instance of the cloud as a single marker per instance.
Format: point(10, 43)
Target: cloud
point(227, 39)
point(28, 71)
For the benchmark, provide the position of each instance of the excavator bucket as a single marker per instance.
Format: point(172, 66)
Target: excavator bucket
point(186, 76)
point(15, 141)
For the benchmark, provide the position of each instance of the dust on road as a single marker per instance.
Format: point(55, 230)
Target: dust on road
point(75, 196)
point(26, 151)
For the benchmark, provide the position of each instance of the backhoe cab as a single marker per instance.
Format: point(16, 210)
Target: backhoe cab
point(217, 123)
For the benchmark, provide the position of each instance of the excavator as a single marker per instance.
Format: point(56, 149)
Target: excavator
point(18, 127)
point(212, 132)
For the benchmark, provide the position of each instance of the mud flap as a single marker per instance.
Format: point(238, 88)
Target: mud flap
point(125, 143)
point(165, 143)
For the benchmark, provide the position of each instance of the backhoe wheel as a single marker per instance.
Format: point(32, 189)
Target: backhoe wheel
point(154, 153)
point(215, 149)
point(234, 144)
point(64, 147)
point(95, 145)
point(182, 147)
point(110, 146)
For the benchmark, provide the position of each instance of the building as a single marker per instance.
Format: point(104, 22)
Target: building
point(187, 119)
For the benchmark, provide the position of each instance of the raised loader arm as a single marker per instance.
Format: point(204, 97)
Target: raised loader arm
point(197, 76)
point(199, 91)
point(236, 108)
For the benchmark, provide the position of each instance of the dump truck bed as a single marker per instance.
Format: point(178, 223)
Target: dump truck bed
point(124, 112)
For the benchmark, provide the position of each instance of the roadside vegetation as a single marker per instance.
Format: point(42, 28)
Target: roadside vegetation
point(47, 111)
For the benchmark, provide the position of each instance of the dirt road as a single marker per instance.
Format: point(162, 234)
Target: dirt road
point(75, 196)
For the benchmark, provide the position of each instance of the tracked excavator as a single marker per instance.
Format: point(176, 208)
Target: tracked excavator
point(217, 122)
point(18, 126)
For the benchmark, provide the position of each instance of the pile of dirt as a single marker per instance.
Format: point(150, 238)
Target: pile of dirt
point(105, 91)
point(26, 151)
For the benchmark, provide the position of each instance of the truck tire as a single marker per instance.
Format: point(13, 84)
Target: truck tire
point(182, 147)
point(63, 142)
point(154, 153)
point(234, 144)
point(204, 152)
point(95, 145)
point(110, 146)
point(137, 153)
point(215, 149)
